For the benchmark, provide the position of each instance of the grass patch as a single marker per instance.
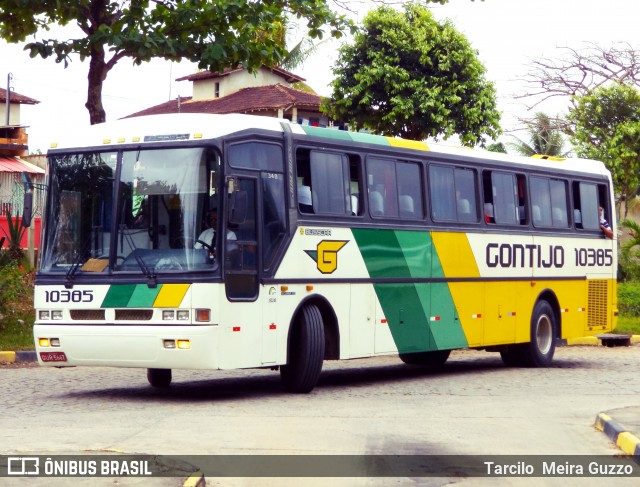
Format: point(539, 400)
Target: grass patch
point(629, 325)
point(16, 308)
point(16, 332)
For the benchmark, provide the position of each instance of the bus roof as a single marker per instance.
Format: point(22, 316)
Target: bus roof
point(200, 126)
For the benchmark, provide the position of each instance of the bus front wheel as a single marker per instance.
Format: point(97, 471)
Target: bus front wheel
point(159, 377)
point(306, 351)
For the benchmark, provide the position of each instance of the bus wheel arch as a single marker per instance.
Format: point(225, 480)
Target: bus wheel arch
point(544, 332)
point(312, 338)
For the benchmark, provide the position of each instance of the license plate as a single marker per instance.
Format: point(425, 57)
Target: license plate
point(53, 357)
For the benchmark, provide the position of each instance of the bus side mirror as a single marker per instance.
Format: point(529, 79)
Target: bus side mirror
point(238, 206)
point(27, 210)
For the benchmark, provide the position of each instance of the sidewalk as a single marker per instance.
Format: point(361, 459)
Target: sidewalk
point(622, 426)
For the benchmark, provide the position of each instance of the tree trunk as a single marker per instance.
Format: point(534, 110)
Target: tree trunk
point(97, 74)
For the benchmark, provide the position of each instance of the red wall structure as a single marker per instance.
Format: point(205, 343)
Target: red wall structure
point(4, 232)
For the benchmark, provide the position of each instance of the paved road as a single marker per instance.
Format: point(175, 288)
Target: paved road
point(472, 405)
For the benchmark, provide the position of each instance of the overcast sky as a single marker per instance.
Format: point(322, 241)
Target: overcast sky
point(507, 33)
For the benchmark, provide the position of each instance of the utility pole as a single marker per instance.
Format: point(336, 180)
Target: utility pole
point(9, 78)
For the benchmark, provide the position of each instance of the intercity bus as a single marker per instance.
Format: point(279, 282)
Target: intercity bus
point(335, 245)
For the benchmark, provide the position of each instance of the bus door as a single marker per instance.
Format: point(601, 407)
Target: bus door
point(243, 311)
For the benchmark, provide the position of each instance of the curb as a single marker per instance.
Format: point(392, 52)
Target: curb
point(594, 340)
point(18, 357)
point(624, 439)
point(196, 479)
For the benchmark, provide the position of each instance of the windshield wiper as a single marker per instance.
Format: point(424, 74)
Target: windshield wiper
point(151, 277)
point(73, 270)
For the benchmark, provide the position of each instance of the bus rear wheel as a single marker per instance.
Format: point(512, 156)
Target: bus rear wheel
point(159, 377)
point(434, 358)
point(306, 351)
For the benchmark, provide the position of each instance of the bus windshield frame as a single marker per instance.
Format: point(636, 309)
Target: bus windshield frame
point(132, 211)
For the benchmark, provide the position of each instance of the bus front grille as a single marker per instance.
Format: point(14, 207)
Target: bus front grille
point(134, 314)
point(87, 314)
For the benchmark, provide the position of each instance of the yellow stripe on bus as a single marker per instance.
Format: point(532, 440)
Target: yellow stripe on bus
point(455, 254)
point(407, 144)
point(171, 295)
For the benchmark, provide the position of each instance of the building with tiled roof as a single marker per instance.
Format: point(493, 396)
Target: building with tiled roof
point(14, 143)
point(13, 137)
point(268, 92)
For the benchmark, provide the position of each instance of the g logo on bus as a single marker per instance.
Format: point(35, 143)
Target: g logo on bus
point(326, 255)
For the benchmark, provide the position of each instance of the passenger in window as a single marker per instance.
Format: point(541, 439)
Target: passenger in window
point(604, 225)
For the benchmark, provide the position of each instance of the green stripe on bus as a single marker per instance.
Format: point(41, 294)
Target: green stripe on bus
point(422, 316)
point(345, 135)
point(143, 296)
point(118, 296)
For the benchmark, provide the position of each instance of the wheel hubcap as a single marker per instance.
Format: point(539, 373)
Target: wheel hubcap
point(544, 334)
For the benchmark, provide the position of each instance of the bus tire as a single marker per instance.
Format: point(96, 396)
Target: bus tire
point(438, 357)
point(539, 351)
point(512, 356)
point(306, 351)
point(159, 377)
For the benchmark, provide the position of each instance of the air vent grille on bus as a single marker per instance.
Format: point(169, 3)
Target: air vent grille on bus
point(134, 314)
point(87, 314)
point(597, 305)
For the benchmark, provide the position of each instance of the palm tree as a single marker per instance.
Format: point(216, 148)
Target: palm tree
point(300, 52)
point(545, 138)
point(628, 254)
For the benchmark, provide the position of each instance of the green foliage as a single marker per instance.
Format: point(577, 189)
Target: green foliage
point(14, 286)
point(16, 231)
point(544, 138)
point(214, 34)
point(408, 75)
point(497, 147)
point(629, 298)
point(628, 324)
point(629, 257)
point(16, 308)
point(606, 127)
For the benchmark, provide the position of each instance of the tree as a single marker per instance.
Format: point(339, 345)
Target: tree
point(411, 76)
point(606, 126)
point(544, 138)
point(215, 34)
point(580, 71)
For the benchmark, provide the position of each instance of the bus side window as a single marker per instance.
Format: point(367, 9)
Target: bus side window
point(453, 193)
point(382, 187)
point(585, 201)
point(328, 183)
point(505, 191)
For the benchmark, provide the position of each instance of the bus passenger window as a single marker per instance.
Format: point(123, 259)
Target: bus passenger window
point(410, 201)
point(548, 202)
point(505, 191)
point(586, 205)
point(382, 187)
point(453, 193)
point(328, 183)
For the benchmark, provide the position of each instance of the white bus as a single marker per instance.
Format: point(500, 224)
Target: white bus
point(335, 245)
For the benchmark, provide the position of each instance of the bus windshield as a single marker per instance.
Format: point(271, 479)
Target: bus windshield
point(143, 218)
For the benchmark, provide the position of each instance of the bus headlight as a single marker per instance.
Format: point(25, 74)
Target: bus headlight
point(183, 315)
point(168, 314)
point(56, 314)
point(44, 314)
